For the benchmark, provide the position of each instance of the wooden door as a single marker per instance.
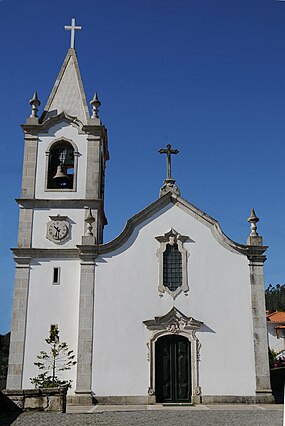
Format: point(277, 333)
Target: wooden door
point(172, 369)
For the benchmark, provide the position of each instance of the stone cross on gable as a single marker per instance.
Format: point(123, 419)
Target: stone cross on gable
point(168, 151)
point(72, 28)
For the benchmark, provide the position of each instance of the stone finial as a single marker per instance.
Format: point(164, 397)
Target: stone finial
point(253, 219)
point(95, 103)
point(89, 221)
point(35, 103)
point(253, 239)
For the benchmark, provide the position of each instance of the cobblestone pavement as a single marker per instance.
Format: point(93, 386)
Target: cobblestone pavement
point(206, 416)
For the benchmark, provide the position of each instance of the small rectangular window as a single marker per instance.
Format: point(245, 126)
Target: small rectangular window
point(56, 275)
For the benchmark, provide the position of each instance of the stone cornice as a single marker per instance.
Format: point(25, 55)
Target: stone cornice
point(256, 254)
point(33, 203)
point(163, 201)
point(32, 253)
point(87, 253)
point(30, 203)
point(94, 129)
point(36, 128)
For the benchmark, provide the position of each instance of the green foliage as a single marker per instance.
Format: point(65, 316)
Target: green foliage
point(59, 358)
point(275, 298)
point(272, 357)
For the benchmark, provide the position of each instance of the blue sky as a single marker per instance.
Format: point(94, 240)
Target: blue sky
point(206, 76)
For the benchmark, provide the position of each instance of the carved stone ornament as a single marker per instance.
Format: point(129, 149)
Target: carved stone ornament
point(172, 238)
point(198, 390)
point(173, 322)
point(58, 229)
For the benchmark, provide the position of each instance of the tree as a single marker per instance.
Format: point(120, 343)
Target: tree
point(275, 298)
point(59, 358)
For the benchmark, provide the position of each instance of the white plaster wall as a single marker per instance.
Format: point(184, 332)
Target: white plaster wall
point(45, 139)
point(42, 217)
point(274, 343)
point(126, 295)
point(51, 304)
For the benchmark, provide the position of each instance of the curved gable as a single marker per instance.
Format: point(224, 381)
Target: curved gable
point(159, 205)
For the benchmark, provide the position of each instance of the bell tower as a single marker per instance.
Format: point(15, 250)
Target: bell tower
point(65, 151)
point(61, 222)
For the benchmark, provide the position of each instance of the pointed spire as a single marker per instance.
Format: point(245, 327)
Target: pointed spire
point(254, 239)
point(95, 103)
point(68, 93)
point(35, 103)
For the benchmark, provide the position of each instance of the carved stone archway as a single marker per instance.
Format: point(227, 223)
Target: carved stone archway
point(175, 322)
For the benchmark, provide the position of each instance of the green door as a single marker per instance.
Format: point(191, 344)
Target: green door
point(172, 369)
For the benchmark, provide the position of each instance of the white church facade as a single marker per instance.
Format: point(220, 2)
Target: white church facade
point(146, 314)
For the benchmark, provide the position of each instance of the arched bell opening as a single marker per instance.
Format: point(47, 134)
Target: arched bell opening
point(61, 173)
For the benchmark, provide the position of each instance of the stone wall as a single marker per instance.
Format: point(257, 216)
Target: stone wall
point(43, 399)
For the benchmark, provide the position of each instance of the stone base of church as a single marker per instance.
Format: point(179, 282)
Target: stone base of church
point(81, 399)
point(89, 399)
point(126, 400)
point(259, 398)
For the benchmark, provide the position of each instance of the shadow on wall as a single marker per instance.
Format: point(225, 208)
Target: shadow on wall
point(277, 377)
point(9, 411)
point(4, 356)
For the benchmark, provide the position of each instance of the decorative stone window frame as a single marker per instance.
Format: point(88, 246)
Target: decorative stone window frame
point(172, 237)
point(175, 322)
point(76, 155)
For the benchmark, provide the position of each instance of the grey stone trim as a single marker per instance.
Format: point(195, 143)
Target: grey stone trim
point(80, 399)
point(29, 167)
point(134, 221)
point(262, 373)
point(125, 400)
point(56, 253)
point(79, 203)
point(86, 321)
point(25, 228)
point(70, 53)
point(172, 237)
point(35, 128)
point(156, 206)
point(175, 322)
point(266, 398)
point(76, 155)
point(19, 318)
point(43, 399)
point(93, 168)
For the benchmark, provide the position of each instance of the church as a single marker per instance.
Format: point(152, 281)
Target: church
point(145, 313)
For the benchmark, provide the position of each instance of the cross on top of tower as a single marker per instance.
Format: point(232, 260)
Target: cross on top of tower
point(72, 29)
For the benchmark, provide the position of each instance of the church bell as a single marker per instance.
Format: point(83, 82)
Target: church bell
point(61, 177)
